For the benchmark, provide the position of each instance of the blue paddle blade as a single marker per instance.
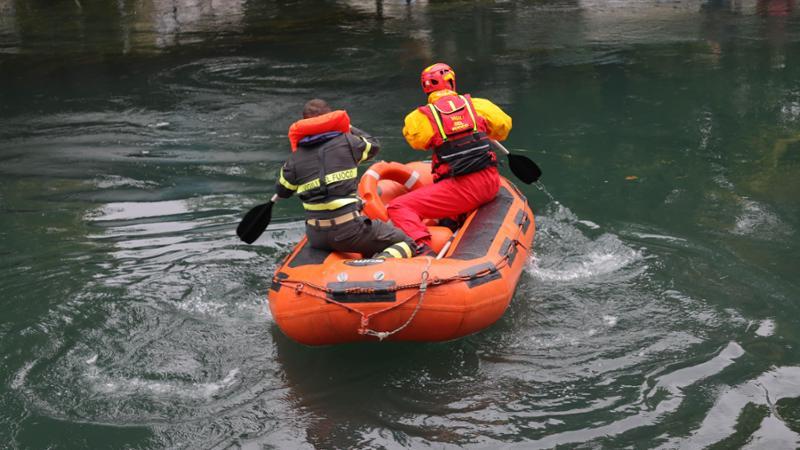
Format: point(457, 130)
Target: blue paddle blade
point(254, 223)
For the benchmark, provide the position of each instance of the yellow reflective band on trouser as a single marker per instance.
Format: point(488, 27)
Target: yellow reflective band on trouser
point(365, 154)
point(405, 248)
point(331, 205)
point(285, 183)
point(343, 175)
point(392, 252)
point(438, 121)
point(398, 250)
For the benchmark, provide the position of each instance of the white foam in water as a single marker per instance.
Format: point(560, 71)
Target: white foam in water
point(19, 378)
point(137, 210)
point(197, 304)
point(766, 328)
point(564, 253)
point(598, 262)
point(757, 219)
point(659, 237)
point(213, 304)
point(791, 112)
point(264, 309)
point(610, 321)
point(125, 387)
point(116, 181)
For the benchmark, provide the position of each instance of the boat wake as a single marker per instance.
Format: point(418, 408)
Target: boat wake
point(565, 253)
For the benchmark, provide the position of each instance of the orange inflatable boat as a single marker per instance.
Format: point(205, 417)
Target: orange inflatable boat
point(319, 297)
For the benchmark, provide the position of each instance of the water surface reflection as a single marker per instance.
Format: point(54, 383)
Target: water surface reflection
point(658, 310)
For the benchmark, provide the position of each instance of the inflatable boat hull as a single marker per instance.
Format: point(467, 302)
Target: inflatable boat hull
point(320, 297)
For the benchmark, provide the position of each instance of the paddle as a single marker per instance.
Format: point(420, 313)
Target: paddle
point(521, 166)
point(255, 221)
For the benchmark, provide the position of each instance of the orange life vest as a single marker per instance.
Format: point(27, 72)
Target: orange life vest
point(337, 121)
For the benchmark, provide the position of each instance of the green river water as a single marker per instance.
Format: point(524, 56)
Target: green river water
point(660, 307)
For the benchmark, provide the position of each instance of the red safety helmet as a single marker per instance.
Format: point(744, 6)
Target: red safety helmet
point(437, 77)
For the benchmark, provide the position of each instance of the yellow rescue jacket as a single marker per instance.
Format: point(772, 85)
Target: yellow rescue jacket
point(418, 130)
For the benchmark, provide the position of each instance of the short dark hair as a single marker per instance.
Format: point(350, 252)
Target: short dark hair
point(315, 107)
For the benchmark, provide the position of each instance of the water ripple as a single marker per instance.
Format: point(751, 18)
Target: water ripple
point(576, 257)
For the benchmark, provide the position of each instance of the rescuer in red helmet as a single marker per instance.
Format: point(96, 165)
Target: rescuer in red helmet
point(458, 129)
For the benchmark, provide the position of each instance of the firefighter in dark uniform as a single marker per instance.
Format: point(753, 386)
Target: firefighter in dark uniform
point(322, 171)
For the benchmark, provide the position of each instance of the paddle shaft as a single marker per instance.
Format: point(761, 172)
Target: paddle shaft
point(446, 246)
point(501, 147)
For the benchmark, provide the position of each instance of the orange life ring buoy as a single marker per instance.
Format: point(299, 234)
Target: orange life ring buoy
point(368, 186)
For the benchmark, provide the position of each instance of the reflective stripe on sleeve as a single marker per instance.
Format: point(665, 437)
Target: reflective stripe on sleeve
point(285, 183)
point(365, 154)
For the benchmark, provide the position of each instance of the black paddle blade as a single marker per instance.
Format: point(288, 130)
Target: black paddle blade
point(524, 169)
point(254, 223)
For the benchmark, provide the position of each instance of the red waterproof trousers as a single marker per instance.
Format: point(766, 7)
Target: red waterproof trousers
point(447, 198)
